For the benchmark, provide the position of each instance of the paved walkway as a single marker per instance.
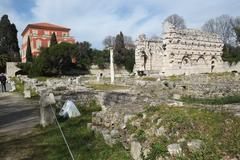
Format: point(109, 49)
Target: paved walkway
point(18, 116)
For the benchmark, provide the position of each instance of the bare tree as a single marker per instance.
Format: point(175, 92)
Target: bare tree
point(129, 44)
point(109, 41)
point(155, 37)
point(237, 22)
point(176, 20)
point(223, 26)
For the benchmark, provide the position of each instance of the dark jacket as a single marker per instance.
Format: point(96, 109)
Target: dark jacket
point(3, 79)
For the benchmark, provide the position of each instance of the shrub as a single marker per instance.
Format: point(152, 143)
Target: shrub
point(231, 54)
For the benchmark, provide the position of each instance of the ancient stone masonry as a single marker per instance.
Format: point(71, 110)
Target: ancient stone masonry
point(184, 51)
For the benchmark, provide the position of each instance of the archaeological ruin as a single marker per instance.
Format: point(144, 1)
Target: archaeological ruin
point(186, 51)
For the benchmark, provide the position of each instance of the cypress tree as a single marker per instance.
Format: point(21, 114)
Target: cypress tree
point(119, 42)
point(29, 51)
point(53, 40)
point(8, 39)
point(119, 50)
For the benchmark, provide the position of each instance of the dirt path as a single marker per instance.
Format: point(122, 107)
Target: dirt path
point(18, 116)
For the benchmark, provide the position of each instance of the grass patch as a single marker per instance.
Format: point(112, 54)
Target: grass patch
point(20, 87)
point(141, 136)
point(19, 84)
point(149, 78)
point(42, 78)
point(158, 149)
point(219, 131)
point(106, 87)
point(174, 78)
point(85, 145)
point(34, 93)
point(221, 74)
point(212, 101)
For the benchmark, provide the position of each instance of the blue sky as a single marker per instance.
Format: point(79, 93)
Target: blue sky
point(92, 20)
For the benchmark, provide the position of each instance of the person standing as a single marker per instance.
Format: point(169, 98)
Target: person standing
point(3, 80)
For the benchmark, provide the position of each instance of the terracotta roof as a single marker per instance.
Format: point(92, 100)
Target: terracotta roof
point(45, 26)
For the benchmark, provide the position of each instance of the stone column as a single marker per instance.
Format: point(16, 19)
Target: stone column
point(46, 112)
point(111, 65)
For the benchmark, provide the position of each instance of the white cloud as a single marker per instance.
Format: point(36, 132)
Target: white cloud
point(92, 20)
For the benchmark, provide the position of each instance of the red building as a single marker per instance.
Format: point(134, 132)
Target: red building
point(40, 35)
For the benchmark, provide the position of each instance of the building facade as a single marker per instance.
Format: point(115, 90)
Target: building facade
point(40, 35)
point(186, 51)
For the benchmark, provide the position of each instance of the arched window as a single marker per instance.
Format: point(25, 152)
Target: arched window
point(172, 55)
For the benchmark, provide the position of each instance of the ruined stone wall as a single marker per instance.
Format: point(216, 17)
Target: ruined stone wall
point(187, 51)
point(11, 69)
point(192, 51)
point(148, 54)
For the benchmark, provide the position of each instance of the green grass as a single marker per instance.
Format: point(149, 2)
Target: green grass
point(19, 85)
point(212, 101)
point(20, 88)
point(174, 78)
point(149, 78)
point(106, 87)
point(158, 148)
point(84, 143)
point(34, 94)
point(219, 131)
point(221, 74)
point(42, 78)
point(140, 135)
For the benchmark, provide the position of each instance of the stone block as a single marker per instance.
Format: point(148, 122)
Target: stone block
point(51, 98)
point(136, 150)
point(174, 149)
point(114, 133)
point(160, 131)
point(195, 145)
point(176, 96)
point(46, 115)
point(78, 80)
point(13, 86)
point(27, 94)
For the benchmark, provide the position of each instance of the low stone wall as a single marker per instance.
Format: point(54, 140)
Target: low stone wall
point(199, 86)
point(106, 72)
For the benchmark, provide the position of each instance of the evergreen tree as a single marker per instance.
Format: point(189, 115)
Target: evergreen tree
point(130, 60)
point(119, 50)
point(8, 39)
point(237, 31)
point(122, 56)
point(119, 42)
point(53, 40)
point(29, 51)
point(84, 55)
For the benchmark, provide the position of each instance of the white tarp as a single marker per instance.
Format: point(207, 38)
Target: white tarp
point(69, 110)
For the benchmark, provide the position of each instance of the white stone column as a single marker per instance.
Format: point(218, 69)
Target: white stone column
point(111, 65)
